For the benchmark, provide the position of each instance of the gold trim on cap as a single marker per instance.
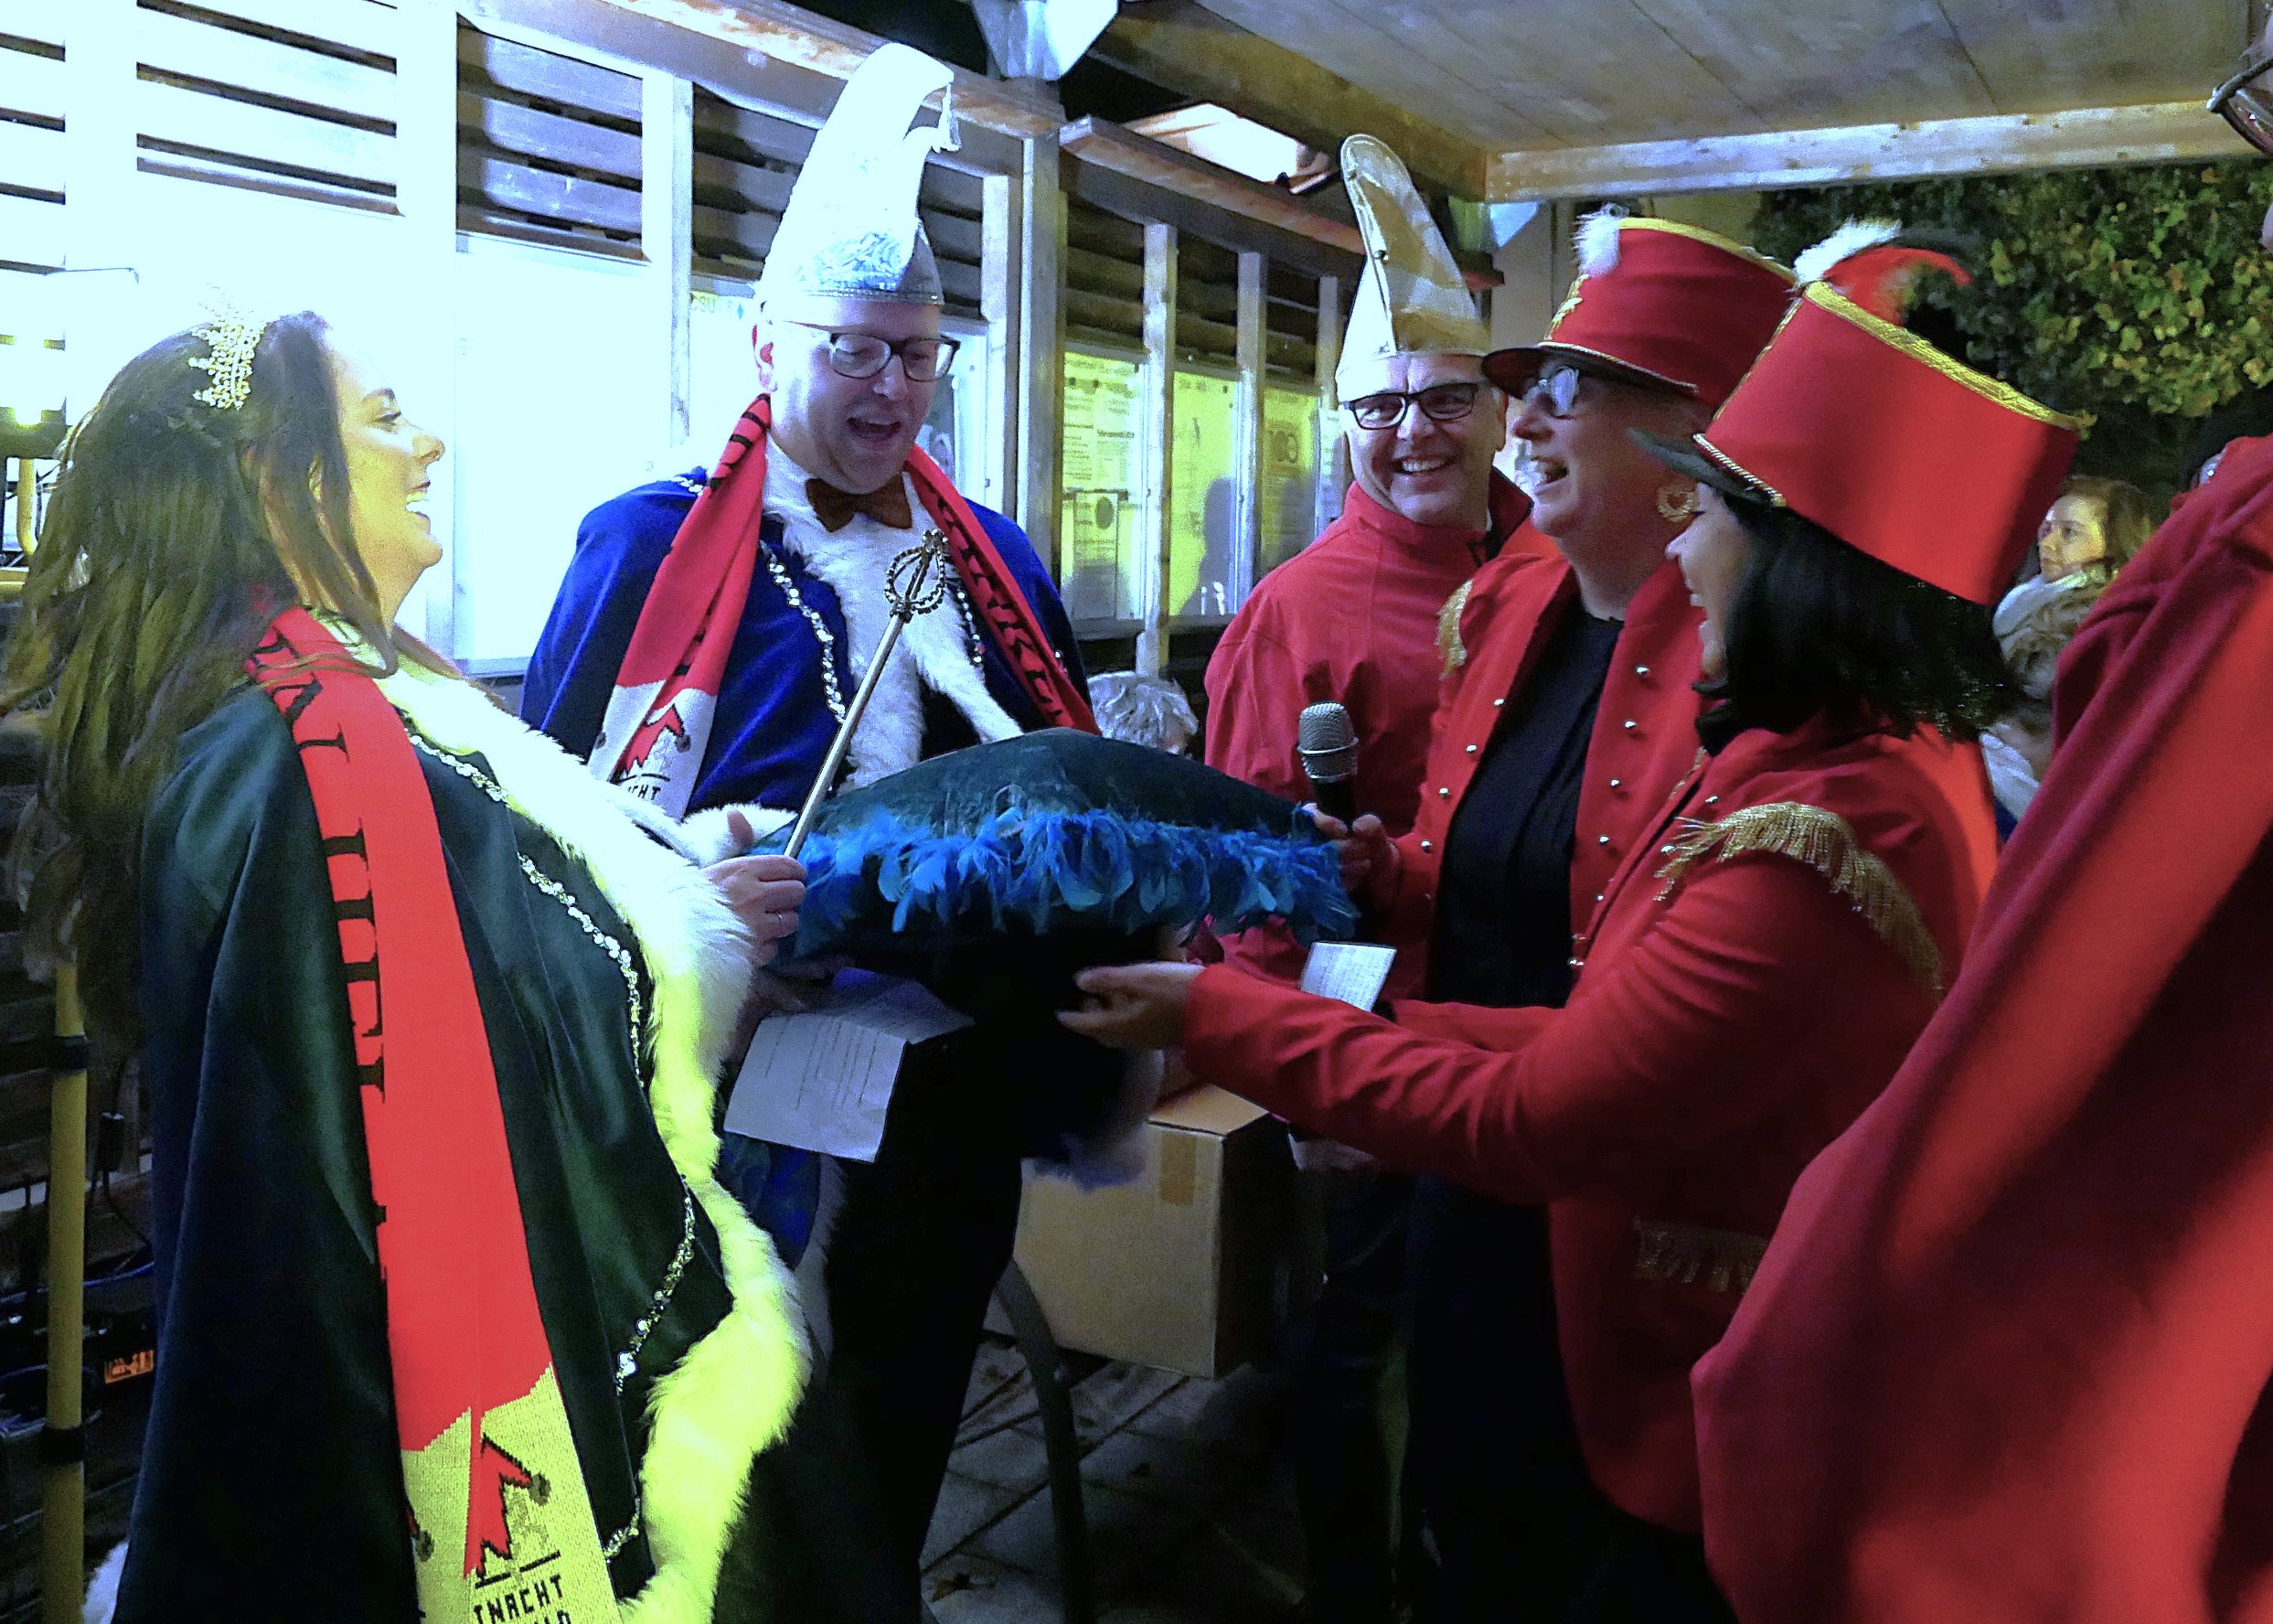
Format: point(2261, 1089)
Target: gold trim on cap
point(1775, 496)
point(1637, 374)
point(1918, 349)
point(1699, 234)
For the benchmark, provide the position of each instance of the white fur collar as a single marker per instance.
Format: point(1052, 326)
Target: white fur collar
point(932, 652)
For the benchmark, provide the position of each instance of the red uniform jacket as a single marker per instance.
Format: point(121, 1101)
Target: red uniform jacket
point(1752, 979)
point(2009, 1355)
point(1354, 618)
point(1645, 729)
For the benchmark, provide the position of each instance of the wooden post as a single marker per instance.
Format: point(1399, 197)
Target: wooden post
point(1000, 279)
point(1039, 373)
point(667, 233)
point(1332, 478)
point(1156, 435)
point(1247, 432)
point(62, 1443)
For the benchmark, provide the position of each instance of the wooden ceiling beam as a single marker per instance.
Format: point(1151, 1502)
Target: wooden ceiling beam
point(772, 31)
point(2088, 138)
point(1185, 48)
point(1099, 146)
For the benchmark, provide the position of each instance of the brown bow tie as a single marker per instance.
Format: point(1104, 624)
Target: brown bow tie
point(887, 505)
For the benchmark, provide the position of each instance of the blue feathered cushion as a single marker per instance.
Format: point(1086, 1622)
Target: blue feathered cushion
point(1060, 832)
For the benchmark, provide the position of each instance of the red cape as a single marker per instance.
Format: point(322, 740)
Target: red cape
point(2008, 1356)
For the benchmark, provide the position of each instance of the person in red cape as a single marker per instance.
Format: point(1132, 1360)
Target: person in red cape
point(1765, 956)
point(452, 1306)
point(2009, 1356)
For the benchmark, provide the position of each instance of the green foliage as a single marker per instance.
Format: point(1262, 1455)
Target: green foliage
point(2122, 293)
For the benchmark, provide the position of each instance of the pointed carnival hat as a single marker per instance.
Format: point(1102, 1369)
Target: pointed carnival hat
point(851, 231)
point(1895, 448)
point(1661, 302)
point(1412, 299)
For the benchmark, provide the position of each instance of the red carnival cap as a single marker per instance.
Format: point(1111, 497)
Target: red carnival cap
point(1893, 447)
point(1663, 301)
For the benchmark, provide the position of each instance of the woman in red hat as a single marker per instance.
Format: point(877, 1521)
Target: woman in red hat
point(1762, 959)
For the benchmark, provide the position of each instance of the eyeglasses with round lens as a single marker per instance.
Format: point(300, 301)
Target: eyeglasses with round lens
point(1439, 402)
point(1555, 391)
point(2246, 102)
point(864, 354)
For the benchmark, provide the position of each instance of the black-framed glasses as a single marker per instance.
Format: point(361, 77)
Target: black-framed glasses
point(2246, 102)
point(1555, 391)
point(1439, 402)
point(864, 354)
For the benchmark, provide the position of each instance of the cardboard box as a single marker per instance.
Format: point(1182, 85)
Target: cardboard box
point(1180, 1271)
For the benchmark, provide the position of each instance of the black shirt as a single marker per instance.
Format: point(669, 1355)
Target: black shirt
point(1503, 913)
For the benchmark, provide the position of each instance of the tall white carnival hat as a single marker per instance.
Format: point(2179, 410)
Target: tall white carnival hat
point(850, 230)
point(1411, 299)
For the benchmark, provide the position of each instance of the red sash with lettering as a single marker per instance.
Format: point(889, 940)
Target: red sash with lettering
point(657, 726)
point(495, 1493)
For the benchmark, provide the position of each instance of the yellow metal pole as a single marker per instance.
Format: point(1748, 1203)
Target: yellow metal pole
point(27, 493)
point(62, 1444)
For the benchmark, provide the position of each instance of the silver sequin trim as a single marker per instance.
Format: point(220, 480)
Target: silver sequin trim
point(627, 1362)
point(619, 954)
point(623, 1536)
point(780, 572)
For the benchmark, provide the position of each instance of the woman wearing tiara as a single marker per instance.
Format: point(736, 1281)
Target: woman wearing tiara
point(453, 1315)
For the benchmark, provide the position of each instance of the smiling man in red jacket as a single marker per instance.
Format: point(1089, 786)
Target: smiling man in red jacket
point(1354, 618)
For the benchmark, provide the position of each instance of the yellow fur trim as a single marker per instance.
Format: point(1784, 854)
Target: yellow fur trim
point(1820, 841)
point(1448, 642)
point(733, 1392)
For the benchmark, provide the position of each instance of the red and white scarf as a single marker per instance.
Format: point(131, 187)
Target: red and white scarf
point(657, 727)
point(489, 1464)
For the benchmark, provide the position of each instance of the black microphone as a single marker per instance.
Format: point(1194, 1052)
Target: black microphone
point(1328, 747)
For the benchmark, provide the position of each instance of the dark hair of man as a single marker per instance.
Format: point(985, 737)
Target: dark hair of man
point(176, 532)
point(1819, 629)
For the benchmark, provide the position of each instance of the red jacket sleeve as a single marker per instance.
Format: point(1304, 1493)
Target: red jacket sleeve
point(1747, 991)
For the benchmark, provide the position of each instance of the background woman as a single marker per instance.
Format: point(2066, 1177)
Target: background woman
point(1759, 964)
point(451, 1306)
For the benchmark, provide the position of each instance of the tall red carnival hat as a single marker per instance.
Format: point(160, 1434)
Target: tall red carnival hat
point(1659, 301)
point(1888, 443)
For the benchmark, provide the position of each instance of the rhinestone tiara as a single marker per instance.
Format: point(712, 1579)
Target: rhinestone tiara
point(231, 338)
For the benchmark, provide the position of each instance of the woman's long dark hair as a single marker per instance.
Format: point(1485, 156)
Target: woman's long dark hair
point(176, 531)
point(1820, 629)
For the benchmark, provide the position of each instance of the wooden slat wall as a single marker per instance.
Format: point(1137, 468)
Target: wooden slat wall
point(1290, 319)
point(548, 146)
point(1104, 278)
point(300, 99)
point(31, 142)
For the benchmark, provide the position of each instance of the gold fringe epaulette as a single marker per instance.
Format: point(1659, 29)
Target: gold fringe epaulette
point(1822, 841)
point(1448, 642)
point(1717, 1259)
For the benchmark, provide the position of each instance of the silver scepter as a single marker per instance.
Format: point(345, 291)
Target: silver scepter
point(915, 582)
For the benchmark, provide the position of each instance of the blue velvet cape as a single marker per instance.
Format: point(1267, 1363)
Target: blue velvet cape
point(773, 725)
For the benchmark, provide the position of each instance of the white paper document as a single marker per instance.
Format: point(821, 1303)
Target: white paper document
point(1350, 971)
point(822, 1079)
